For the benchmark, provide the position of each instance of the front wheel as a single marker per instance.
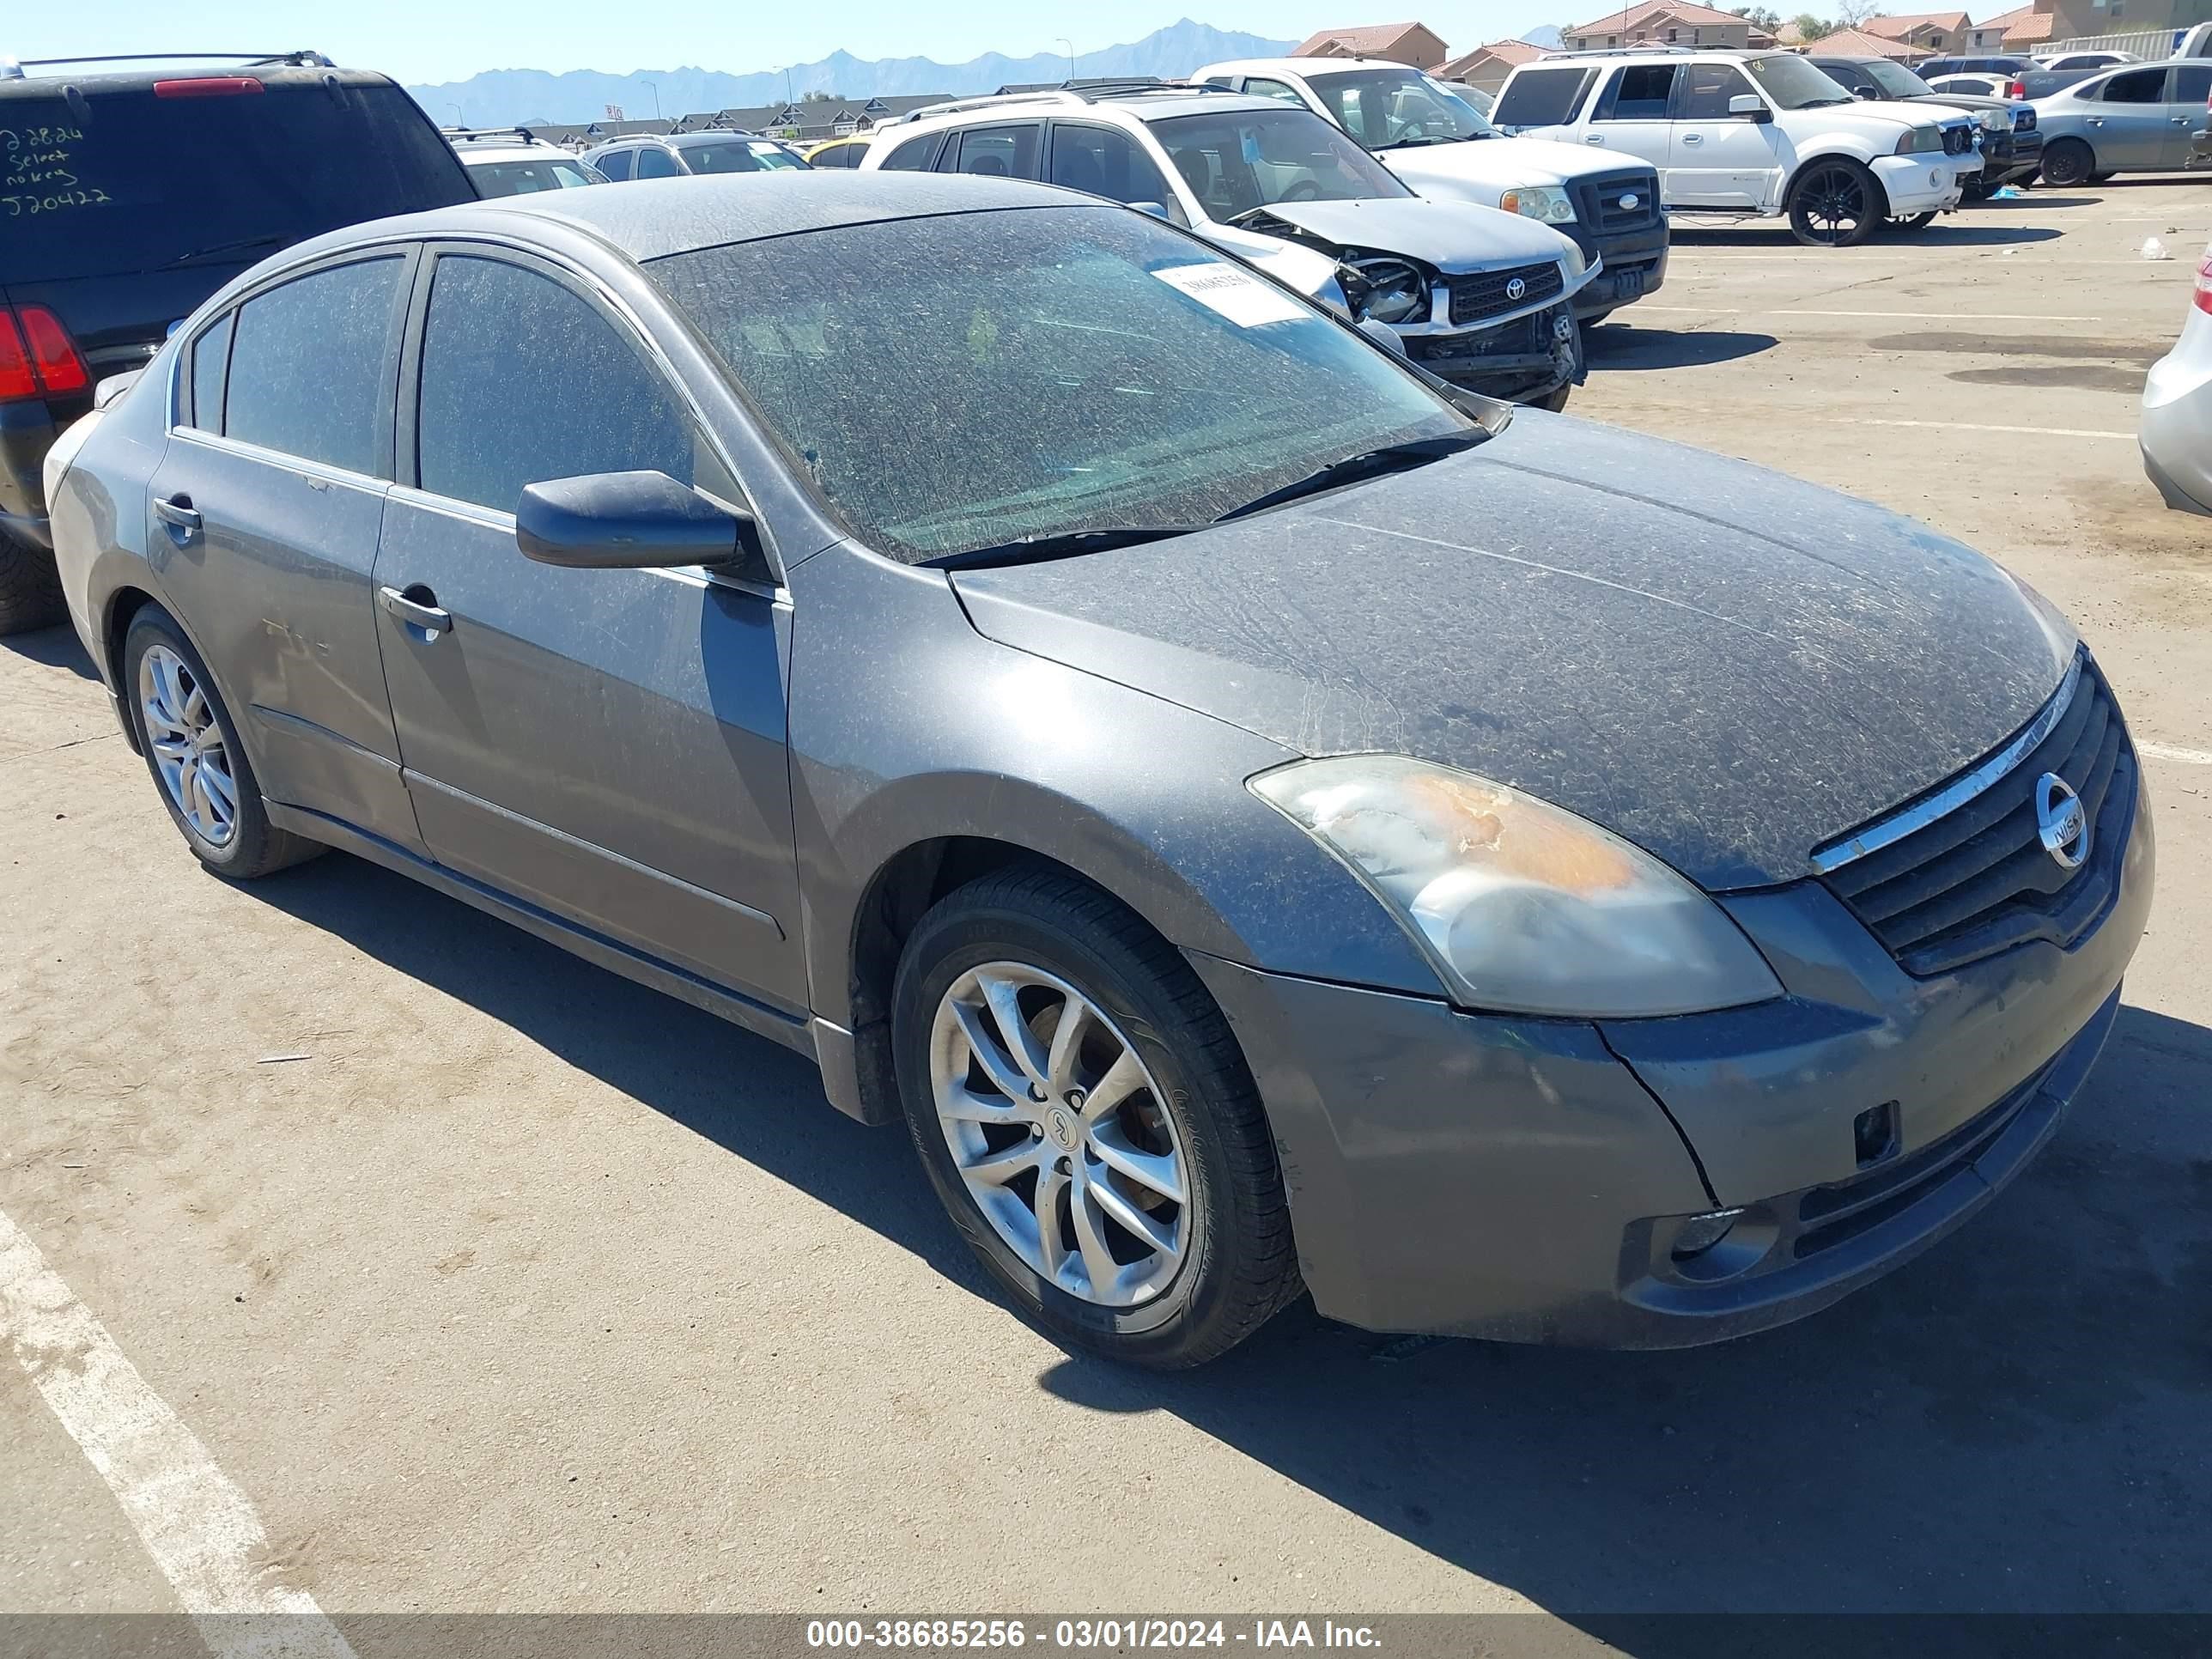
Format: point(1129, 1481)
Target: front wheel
point(1089, 1121)
point(1835, 202)
point(2068, 161)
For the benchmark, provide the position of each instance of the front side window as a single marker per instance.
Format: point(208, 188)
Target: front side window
point(740, 155)
point(1542, 97)
point(1706, 89)
point(210, 364)
point(1105, 162)
point(523, 379)
point(1059, 368)
point(1641, 92)
point(1390, 108)
point(1007, 152)
point(312, 364)
point(1236, 161)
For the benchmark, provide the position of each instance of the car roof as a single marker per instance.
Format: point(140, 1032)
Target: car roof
point(655, 217)
point(107, 75)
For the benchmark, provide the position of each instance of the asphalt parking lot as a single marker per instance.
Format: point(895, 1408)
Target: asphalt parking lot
point(496, 1283)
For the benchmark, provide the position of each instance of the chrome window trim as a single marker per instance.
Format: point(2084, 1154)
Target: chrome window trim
point(1887, 832)
point(306, 466)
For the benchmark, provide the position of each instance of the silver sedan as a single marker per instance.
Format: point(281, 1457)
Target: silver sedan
point(2176, 414)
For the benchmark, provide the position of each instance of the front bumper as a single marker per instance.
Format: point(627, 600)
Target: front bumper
point(1916, 183)
point(1523, 360)
point(2011, 156)
point(1630, 263)
point(1525, 1179)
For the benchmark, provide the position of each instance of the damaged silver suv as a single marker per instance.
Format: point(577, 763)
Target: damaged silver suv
point(1481, 297)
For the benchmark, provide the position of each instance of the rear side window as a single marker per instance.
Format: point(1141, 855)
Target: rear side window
point(2192, 85)
point(914, 156)
point(1008, 152)
point(210, 364)
point(1542, 98)
point(1638, 93)
point(2136, 87)
point(616, 163)
point(1261, 87)
point(654, 162)
point(1105, 162)
point(524, 381)
point(312, 366)
point(93, 188)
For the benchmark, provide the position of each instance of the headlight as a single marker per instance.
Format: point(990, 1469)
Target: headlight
point(1522, 908)
point(1543, 203)
point(1996, 120)
point(1385, 291)
point(1919, 141)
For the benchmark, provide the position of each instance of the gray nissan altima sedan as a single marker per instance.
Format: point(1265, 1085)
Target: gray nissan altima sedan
point(1265, 822)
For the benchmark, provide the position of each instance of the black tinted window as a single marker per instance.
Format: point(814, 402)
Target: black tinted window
point(2136, 87)
point(1638, 93)
point(2192, 85)
point(522, 381)
point(616, 163)
point(1542, 98)
point(1707, 87)
point(1105, 162)
point(312, 366)
point(129, 182)
point(999, 152)
point(211, 362)
point(914, 156)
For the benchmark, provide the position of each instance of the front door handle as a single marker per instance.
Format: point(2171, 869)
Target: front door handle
point(1593, 138)
point(1693, 138)
point(178, 513)
point(418, 607)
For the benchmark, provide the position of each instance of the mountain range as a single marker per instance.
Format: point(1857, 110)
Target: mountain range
point(505, 97)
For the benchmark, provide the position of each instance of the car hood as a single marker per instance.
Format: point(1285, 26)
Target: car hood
point(1723, 664)
point(1452, 236)
point(1958, 101)
point(1501, 163)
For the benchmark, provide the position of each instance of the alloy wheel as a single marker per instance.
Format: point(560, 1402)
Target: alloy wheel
point(188, 746)
point(1060, 1134)
point(1835, 203)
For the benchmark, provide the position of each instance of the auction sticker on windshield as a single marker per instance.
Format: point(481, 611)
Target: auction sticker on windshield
point(1245, 300)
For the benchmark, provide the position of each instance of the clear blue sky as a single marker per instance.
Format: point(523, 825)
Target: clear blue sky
point(422, 41)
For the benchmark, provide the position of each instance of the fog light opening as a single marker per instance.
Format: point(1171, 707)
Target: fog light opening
point(1874, 1133)
point(1701, 1232)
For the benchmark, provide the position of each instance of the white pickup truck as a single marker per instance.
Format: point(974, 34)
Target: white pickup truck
point(1750, 135)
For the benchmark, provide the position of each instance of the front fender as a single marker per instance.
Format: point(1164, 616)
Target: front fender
point(908, 727)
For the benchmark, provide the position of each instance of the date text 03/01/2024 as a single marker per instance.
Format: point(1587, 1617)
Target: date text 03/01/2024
point(1085, 1633)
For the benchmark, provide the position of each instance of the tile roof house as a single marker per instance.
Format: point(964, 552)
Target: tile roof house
point(1926, 31)
point(1665, 23)
point(1857, 43)
point(1415, 44)
point(2014, 31)
point(1487, 66)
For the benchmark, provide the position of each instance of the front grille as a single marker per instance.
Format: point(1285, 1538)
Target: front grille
point(1473, 298)
point(1976, 879)
point(2023, 120)
point(1958, 141)
point(1597, 203)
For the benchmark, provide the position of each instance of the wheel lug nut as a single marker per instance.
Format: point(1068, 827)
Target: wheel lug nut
point(1037, 1131)
point(1036, 1091)
point(1065, 1168)
point(1075, 1098)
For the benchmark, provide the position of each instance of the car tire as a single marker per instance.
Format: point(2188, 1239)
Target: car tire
point(1209, 1270)
point(2068, 161)
point(1914, 220)
point(192, 750)
point(30, 586)
point(1835, 202)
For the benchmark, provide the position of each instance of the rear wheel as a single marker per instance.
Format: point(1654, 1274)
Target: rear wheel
point(30, 586)
point(1089, 1121)
point(1835, 202)
point(192, 749)
point(2068, 162)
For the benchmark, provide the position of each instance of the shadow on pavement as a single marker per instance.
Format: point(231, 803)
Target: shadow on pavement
point(57, 648)
point(1775, 235)
point(1616, 347)
point(2015, 1422)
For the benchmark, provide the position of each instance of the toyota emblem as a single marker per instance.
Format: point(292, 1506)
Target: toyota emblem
point(1632, 201)
point(1515, 288)
point(2061, 824)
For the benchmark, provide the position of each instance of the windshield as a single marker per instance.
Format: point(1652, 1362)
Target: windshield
point(739, 155)
point(1894, 79)
point(1385, 108)
point(521, 177)
point(1235, 161)
point(1790, 83)
point(117, 181)
point(956, 382)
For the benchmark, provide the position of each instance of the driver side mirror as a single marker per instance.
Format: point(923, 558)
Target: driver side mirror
point(1865, 94)
point(1749, 106)
point(630, 521)
point(1158, 209)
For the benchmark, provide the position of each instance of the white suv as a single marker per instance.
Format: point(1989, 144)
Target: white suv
point(1750, 135)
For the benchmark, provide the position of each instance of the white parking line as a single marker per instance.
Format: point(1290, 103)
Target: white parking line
point(2168, 751)
point(1903, 316)
point(1970, 426)
point(199, 1527)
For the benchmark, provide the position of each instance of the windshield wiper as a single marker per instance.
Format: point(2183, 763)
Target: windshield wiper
point(1368, 463)
point(1419, 138)
point(1060, 544)
point(238, 246)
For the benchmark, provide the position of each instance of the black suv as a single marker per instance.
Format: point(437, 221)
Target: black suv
point(131, 189)
point(2014, 153)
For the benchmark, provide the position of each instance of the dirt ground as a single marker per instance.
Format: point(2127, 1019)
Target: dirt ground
point(496, 1283)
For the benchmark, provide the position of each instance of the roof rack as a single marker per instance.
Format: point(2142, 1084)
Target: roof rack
point(455, 134)
point(1627, 52)
point(16, 69)
point(1089, 90)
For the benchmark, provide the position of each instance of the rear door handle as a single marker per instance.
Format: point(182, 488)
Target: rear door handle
point(418, 607)
point(1693, 138)
point(179, 514)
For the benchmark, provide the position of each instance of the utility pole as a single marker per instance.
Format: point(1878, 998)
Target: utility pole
point(1070, 44)
point(654, 87)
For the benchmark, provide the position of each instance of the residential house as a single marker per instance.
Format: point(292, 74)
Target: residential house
point(1487, 66)
point(2021, 30)
point(1667, 23)
point(1857, 43)
point(1926, 33)
point(833, 118)
point(2032, 27)
point(1412, 44)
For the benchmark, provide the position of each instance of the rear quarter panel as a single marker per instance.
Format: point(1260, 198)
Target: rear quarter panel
point(100, 517)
